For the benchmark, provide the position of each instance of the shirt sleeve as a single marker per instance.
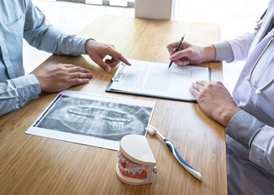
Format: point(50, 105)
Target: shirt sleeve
point(39, 33)
point(256, 136)
point(223, 52)
point(17, 92)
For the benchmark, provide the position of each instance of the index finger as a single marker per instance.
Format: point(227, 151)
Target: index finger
point(123, 59)
point(116, 55)
point(171, 47)
point(178, 55)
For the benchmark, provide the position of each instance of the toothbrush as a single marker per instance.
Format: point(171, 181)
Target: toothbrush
point(152, 131)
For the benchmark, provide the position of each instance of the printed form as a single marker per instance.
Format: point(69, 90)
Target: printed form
point(157, 80)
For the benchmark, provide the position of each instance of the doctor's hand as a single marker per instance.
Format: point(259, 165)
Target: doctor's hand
point(56, 78)
point(215, 100)
point(191, 54)
point(98, 51)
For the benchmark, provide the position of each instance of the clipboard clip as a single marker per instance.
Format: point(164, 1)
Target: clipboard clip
point(119, 73)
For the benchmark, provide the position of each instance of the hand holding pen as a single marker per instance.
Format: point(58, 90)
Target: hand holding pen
point(177, 48)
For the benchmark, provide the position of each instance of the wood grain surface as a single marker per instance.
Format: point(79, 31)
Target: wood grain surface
point(37, 165)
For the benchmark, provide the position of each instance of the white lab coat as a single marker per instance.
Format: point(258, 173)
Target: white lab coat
point(252, 171)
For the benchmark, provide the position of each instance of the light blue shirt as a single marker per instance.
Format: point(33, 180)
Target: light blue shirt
point(21, 19)
point(250, 140)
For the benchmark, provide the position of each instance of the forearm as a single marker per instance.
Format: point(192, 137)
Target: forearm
point(17, 92)
point(209, 53)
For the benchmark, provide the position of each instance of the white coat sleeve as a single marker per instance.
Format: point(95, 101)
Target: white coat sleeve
point(256, 136)
point(241, 45)
point(234, 49)
point(262, 149)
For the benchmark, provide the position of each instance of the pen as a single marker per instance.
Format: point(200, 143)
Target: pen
point(177, 49)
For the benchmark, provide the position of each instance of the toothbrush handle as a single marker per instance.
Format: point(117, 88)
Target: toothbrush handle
point(189, 168)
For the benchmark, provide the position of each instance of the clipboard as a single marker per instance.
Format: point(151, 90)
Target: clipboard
point(154, 79)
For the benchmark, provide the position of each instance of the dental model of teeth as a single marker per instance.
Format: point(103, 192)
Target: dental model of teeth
point(136, 164)
point(129, 168)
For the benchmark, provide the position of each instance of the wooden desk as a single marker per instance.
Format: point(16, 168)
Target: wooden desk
point(37, 165)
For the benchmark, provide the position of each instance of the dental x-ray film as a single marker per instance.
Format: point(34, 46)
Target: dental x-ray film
point(93, 119)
